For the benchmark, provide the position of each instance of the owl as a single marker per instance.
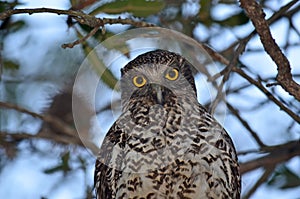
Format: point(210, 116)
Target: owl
point(164, 144)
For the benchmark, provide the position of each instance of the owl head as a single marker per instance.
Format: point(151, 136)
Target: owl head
point(157, 77)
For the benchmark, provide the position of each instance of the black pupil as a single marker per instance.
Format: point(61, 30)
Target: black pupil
point(172, 73)
point(139, 80)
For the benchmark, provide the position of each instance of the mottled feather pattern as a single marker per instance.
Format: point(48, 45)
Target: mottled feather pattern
point(172, 149)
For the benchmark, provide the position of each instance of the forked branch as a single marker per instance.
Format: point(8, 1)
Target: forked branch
point(284, 76)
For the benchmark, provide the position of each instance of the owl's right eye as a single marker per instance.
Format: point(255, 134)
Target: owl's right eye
point(139, 81)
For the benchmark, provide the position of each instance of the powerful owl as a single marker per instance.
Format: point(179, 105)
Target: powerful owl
point(165, 144)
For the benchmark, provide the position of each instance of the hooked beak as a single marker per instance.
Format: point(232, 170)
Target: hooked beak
point(158, 92)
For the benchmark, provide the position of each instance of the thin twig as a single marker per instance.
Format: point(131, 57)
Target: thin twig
point(218, 57)
point(81, 40)
point(55, 122)
point(245, 124)
point(64, 128)
point(226, 73)
point(267, 93)
point(246, 152)
point(48, 136)
point(260, 181)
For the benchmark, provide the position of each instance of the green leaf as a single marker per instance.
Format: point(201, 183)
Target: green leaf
point(63, 166)
point(99, 35)
point(235, 20)
point(81, 4)
point(17, 25)
point(11, 65)
point(284, 178)
point(138, 8)
point(53, 169)
point(7, 5)
point(204, 13)
point(82, 163)
point(105, 74)
point(228, 1)
point(65, 159)
point(118, 45)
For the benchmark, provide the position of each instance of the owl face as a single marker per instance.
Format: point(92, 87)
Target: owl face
point(158, 77)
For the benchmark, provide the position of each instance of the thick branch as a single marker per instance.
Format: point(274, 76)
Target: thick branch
point(284, 76)
point(278, 154)
point(283, 11)
point(81, 17)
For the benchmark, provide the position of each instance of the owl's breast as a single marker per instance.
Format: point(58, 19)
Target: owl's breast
point(157, 137)
point(167, 152)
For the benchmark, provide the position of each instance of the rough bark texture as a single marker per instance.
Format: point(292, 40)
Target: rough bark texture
point(284, 76)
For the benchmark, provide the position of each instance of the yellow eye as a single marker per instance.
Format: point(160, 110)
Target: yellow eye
point(139, 81)
point(172, 74)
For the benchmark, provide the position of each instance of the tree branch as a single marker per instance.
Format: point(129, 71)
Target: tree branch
point(269, 95)
point(218, 57)
point(79, 41)
point(52, 137)
point(55, 122)
point(284, 76)
point(278, 154)
point(261, 180)
point(79, 16)
point(245, 124)
point(283, 11)
point(67, 134)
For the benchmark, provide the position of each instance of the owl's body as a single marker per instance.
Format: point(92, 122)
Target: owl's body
point(165, 144)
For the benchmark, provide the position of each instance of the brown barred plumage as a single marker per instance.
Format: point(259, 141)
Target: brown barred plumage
point(165, 144)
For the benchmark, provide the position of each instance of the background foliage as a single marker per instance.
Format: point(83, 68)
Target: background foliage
point(39, 147)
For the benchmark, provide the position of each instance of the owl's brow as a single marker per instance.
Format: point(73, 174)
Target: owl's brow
point(170, 62)
point(179, 64)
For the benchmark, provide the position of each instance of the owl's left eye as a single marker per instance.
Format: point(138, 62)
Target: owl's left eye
point(139, 81)
point(172, 74)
